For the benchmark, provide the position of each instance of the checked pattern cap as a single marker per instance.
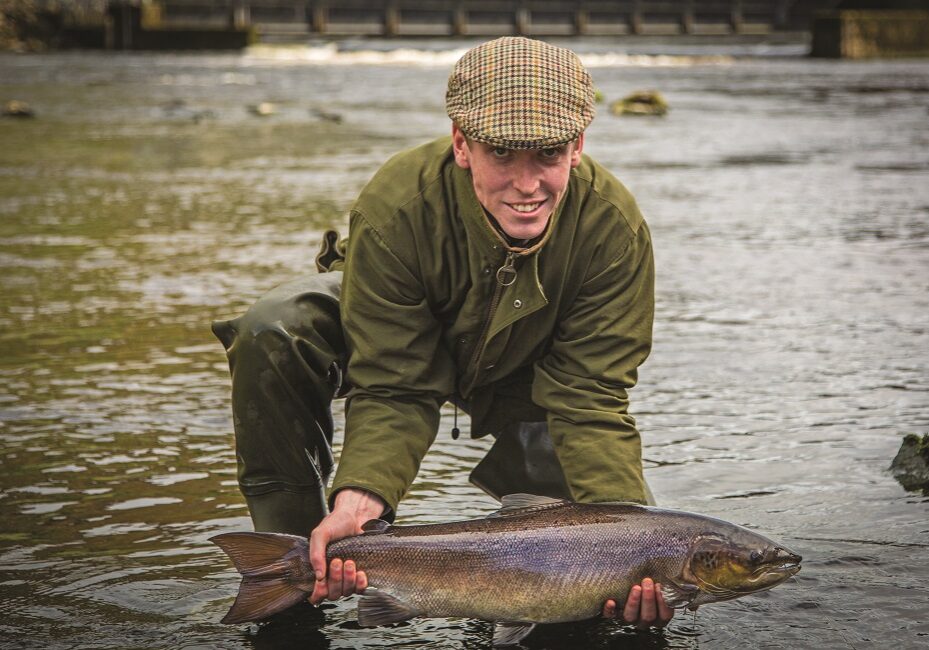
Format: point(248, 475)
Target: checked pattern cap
point(519, 93)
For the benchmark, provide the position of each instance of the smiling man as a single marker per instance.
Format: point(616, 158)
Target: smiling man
point(519, 189)
point(502, 270)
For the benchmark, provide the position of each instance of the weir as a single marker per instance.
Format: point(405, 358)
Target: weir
point(865, 29)
point(277, 20)
point(837, 28)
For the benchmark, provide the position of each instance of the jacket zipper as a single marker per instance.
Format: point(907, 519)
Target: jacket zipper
point(506, 275)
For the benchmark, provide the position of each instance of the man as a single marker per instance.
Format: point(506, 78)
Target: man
point(501, 270)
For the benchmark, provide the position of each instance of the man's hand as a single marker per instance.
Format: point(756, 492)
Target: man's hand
point(645, 606)
point(352, 509)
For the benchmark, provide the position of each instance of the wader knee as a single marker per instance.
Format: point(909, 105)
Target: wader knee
point(523, 459)
point(285, 355)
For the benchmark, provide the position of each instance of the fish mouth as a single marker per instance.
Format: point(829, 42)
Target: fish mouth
point(771, 575)
point(781, 565)
point(785, 561)
point(787, 569)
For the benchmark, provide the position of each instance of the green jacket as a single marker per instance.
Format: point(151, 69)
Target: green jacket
point(425, 317)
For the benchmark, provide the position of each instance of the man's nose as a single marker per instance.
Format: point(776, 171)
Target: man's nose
point(526, 179)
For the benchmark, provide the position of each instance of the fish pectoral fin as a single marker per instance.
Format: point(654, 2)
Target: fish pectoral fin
point(380, 608)
point(515, 504)
point(508, 633)
point(677, 596)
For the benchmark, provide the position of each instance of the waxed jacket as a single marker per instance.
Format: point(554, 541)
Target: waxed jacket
point(427, 315)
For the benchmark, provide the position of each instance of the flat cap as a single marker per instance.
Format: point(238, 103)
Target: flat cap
point(520, 93)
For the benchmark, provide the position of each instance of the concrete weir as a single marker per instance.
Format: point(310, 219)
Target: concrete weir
point(840, 29)
point(278, 20)
point(864, 29)
point(141, 26)
point(231, 24)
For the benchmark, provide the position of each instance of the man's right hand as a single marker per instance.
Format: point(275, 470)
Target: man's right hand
point(351, 510)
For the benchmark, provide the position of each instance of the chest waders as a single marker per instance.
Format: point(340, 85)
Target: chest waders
point(286, 355)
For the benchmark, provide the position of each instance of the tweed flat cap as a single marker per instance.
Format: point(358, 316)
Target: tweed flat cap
point(519, 93)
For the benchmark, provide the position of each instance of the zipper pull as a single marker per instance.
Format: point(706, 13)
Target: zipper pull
point(506, 274)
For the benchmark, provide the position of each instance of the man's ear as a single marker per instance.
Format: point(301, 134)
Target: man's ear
point(460, 148)
point(578, 149)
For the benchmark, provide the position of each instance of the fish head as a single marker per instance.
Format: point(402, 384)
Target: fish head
point(737, 563)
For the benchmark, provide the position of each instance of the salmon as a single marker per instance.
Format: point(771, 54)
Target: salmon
point(536, 560)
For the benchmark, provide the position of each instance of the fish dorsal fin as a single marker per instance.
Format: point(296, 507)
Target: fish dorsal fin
point(517, 504)
point(377, 607)
point(375, 526)
point(677, 596)
point(506, 633)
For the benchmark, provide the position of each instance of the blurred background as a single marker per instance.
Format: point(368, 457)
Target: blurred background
point(164, 164)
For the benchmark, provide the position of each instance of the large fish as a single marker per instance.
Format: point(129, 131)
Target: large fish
point(536, 560)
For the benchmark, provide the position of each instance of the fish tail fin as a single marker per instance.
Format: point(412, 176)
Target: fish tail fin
point(261, 598)
point(267, 563)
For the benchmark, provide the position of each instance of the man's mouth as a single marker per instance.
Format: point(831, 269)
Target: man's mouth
point(526, 208)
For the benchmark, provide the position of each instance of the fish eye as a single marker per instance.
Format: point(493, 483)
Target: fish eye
point(756, 557)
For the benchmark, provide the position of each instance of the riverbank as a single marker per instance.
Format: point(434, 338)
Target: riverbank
point(27, 26)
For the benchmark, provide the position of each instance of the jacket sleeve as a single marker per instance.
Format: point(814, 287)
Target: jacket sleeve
point(583, 381)
point(398, 368)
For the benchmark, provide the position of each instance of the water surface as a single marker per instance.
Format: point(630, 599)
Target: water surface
point(789, 204)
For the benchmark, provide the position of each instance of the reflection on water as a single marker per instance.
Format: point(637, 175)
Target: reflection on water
point(788, 201)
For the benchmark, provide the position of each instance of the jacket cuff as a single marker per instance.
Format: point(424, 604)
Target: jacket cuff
point(389, 513)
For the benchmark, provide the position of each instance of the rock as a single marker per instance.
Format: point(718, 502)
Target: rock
point(911, 464)
point(642, 102)
point(179, 110)
point(16, 108)
point(326, 116)
point(263, 109)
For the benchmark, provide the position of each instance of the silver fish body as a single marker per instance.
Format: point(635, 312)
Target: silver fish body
point(537, 560)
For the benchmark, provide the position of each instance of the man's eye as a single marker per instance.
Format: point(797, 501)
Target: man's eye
point(551, 152)
point(500, 152)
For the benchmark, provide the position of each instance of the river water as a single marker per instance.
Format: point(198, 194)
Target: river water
point(789, 203)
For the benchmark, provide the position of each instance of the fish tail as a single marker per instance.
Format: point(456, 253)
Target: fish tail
point(269, 580)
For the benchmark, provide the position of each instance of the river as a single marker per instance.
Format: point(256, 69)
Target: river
point(789, 203)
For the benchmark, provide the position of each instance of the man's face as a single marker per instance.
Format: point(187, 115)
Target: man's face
point(520, 187)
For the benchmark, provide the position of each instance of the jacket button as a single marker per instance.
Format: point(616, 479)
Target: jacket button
point(487, 270)
point(489, 366)
point(517, 303)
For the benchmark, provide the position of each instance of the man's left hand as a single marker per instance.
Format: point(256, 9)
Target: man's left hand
point(645, 606)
